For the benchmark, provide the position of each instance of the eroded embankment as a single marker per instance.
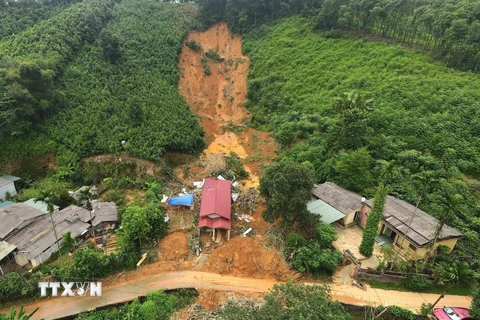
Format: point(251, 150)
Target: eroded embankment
point(214, 83)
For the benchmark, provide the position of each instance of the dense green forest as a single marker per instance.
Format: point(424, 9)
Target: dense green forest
point(448, 29)
point(32, 59)
point(124, 86)
point(20, 15)
point(403, 110)
point(95, 74)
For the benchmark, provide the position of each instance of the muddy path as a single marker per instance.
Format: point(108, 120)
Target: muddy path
point(218, 96)
point(51, 308)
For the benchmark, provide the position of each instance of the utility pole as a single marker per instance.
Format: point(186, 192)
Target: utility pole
point(436, 301)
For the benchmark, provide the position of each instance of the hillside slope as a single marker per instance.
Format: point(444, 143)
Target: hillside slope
point(124, 86)
point(94, 75)
point(424, 123)
point(419, 104)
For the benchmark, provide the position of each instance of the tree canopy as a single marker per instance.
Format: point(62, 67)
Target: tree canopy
point(445, 28)
point(374, 218)
point(286, 187)
point(291, 301)
point(94, 74)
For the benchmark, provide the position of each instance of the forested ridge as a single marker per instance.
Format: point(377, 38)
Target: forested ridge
point(448, 29)
point(95, 74)
point(125, 84)
point(20, 15)
point(32, 59)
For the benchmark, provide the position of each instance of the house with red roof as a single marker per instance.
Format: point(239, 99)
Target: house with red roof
point(215, 208)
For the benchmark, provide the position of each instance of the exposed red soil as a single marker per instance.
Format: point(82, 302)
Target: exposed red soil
point(246, 257)
point(256, 222)
point(209, 299)
point(174, 247)
point(218, 99)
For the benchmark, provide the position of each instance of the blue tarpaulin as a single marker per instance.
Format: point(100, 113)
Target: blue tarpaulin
point(186, 200)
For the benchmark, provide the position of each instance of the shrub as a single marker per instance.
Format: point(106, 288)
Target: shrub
point(326, 234)
point(293, 241)
point(401, 313)
point(213, 55)
point(234, 164)
point(426, 309)
point(417, 283)
point(194, 45)
point(312, 259)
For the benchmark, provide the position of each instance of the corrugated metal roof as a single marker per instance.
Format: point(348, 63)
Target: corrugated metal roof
point(398, 213)
point(39, 236)
point(73, 213)
point(14, 215)
point(216, 199)
point(40, 205)
point(5, 249)
point(328, 213)
point(341, 199)
point(104, 212)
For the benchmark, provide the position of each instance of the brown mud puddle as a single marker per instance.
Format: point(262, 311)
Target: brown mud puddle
point(218, 99)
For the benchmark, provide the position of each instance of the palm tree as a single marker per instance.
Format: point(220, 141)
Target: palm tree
point(353, 112)
point(49, 198)
point(425, 181)
point(352, 100)
point(85, 198)
point(452, 205)
point(456, 273)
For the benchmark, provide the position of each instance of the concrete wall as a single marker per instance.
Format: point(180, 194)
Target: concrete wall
point(10, 187)
point(364, 210)
point(422, 252)
point(349, 219)
point(20, 259)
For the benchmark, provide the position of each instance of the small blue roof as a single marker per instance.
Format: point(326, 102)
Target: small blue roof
point(40, 205)
point(186, 200)
point(6, 204)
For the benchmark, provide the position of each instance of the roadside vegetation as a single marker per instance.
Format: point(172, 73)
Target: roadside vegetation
point(290, 301)
point(157, 305)
point(305, 240)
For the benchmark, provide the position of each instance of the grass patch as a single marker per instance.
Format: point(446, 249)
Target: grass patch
point(434, 289)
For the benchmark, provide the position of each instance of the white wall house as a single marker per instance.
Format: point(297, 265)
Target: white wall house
point(7, 186)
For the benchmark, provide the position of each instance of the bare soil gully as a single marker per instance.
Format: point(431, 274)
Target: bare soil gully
point(218, 99)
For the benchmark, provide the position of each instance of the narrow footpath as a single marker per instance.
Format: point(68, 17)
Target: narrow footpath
point(52, 308)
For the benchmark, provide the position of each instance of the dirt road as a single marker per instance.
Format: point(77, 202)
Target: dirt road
point(62, 306)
